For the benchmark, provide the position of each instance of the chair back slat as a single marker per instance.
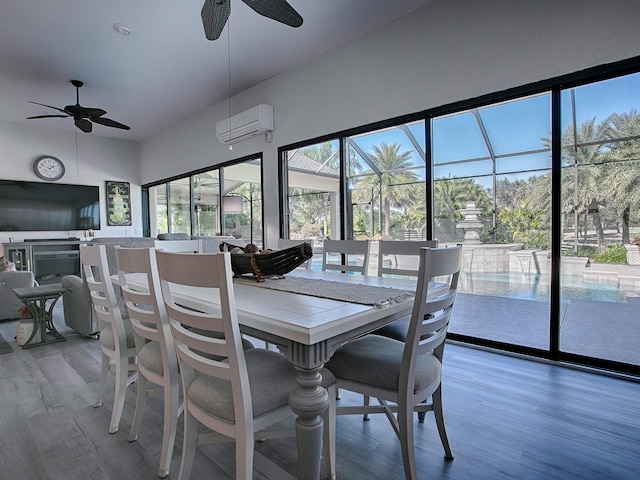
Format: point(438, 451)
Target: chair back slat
point(430, 316)
point(215, 349)
point(93, 259)
point(184, 246)
point(353, 256)
point(145, 306)
point(401, 257)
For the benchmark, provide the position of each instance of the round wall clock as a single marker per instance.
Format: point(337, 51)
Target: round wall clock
point(48, 168)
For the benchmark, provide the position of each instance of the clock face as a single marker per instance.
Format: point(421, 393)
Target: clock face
point(48, 168)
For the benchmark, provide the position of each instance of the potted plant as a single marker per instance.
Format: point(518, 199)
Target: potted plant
point(633, 252)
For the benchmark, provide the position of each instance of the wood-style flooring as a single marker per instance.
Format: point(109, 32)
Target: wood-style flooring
point(507, 418)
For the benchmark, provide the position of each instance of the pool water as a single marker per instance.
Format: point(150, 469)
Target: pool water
point(536, 287)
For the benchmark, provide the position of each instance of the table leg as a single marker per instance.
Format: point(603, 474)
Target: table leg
point(309, 401)
point(42, 320)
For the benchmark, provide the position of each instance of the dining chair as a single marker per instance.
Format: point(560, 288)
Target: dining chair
point(353, 256)
point(187, 246)
point(116, 334)
point(233, 392)
point(157, 360)
point(400, 258)
point(402, 374)
point(286, 243)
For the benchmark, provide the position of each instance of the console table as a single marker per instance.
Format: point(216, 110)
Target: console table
point(36, 298)
point(48, 259)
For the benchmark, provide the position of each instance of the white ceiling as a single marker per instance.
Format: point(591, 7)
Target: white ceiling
point(166, 69)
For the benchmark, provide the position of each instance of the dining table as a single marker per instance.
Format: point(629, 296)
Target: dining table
point(308, 314)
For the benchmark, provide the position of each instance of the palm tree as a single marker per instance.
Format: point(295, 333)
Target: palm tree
point(622, 179)
point(583, 151)
point(394, 181)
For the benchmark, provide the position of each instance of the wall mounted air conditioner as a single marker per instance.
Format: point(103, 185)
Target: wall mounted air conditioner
point(244, 125)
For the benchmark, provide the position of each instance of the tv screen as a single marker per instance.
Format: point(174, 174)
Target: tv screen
point(38, 206)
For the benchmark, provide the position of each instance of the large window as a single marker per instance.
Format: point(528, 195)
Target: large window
point(547, 212)
point(601, 219)
point(225, 200)
point(492, 183)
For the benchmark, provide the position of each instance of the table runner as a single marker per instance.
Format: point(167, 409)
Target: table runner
point(345, 292)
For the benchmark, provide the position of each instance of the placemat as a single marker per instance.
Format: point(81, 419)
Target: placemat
point(5, 347)
point(345, 292)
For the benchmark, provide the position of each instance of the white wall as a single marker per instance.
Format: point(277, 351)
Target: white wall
point(98, 159)
point(446, 51)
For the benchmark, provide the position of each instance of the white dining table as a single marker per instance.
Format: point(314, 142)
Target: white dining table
point(308, 329)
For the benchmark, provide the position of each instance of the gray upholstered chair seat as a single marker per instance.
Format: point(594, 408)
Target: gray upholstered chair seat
point(396, 330)
point(376, 360)
point(271, 376)
point(106, 335)
point(150, 357)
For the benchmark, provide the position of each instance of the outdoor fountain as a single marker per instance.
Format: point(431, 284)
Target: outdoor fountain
point(471, 224)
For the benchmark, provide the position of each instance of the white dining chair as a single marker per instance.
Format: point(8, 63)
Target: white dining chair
point(235, 393)
point(116, 334)
point(401, 257)
point(346, 256)
point(157, 360)
point(186, 246)
point(402, 374)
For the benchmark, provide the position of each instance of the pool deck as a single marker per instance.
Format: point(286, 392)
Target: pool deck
point(598, 329)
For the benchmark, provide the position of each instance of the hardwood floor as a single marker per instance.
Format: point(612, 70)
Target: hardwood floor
point(507, 418)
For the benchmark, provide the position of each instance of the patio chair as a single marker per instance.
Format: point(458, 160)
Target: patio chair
point(116, 334)
point(157, 360)
point(234, 393)
point(402, 374)
point(353, 256)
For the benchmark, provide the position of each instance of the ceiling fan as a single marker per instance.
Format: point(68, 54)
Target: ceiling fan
point(215, 14)
point(83, 117)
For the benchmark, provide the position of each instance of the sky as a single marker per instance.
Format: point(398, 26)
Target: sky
point(512, 127)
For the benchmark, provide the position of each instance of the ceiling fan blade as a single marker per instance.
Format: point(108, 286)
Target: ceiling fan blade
point(107, 122)
point(84, 111)
point(48, 106)
point(83, 124)
point(215, 14)
point(48, 116)
point(278, 10)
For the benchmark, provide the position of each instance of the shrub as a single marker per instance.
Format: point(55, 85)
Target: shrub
point(612, 254)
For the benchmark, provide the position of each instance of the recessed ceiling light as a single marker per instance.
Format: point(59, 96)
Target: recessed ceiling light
point(121, 29)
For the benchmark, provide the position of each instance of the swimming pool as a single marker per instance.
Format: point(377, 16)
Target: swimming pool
point(527, 286)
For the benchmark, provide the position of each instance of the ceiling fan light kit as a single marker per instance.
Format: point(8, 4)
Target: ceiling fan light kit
point(83, 117)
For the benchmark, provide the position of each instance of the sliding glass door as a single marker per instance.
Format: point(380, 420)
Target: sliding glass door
point(492, 191)
point(601, 220)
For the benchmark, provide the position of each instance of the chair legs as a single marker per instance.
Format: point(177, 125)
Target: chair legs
point(141, 397)
point(122, 380)
point(171, 412)
point(405, 434)
point(244, 457)
point(439, 417)
point(104, 373)
point(189, 445)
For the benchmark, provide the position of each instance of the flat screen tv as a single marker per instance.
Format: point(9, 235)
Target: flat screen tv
point(39, 206)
